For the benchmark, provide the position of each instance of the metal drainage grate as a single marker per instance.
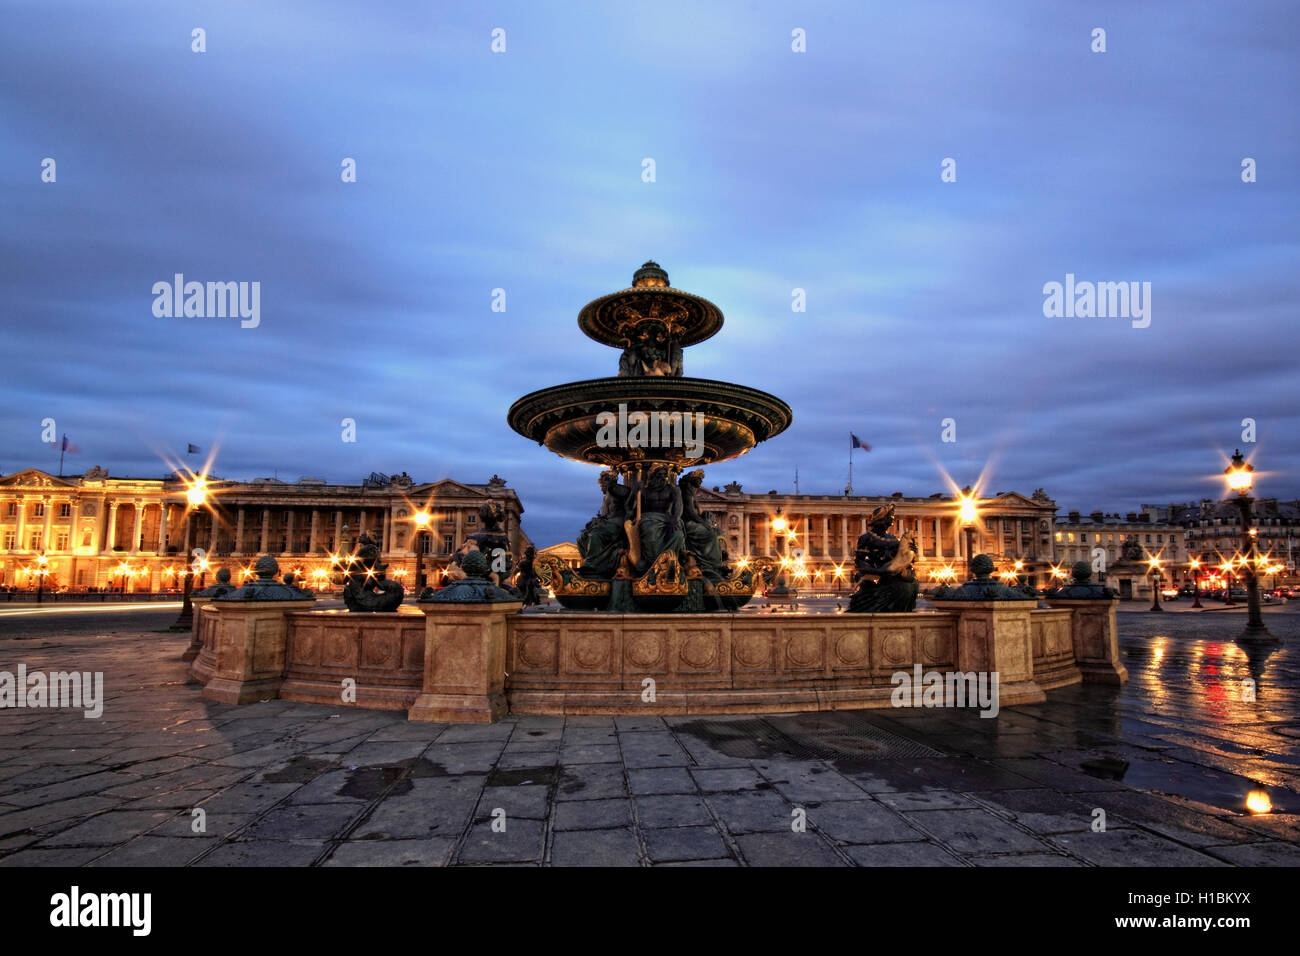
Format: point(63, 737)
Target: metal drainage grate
point(804, 737)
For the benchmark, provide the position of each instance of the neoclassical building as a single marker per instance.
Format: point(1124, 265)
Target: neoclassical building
point(1009, 526)
point(95, 530)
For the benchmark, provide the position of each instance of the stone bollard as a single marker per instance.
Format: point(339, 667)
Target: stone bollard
point(465, 648)
point(251, 628)
point(1092, 626)
point(198, 600)
point(994, 632)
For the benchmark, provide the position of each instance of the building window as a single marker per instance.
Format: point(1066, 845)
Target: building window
point(471, 518)
point(1148, 539)
point(61, 543)
point(446, 544)
point(9, 540)
point(35, 541)
point(65, 509)
point(1083, 538)
point(11, 509)
point(39, 510)
point(1059, 536)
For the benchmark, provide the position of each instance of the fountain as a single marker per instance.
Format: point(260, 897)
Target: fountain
point(648, 624)
point(650, 549)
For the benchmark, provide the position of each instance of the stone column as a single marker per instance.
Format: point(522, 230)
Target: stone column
point(212, 540)
point(112, 527)
point(21, 525)
point(162, 528)
point(767, 537)
point(826, 537)
point(315, 531)
point(460, 529)
point(288, 532)
point(239, 532)
point(45, 529)
point(263, 543)
point(384, 525)
point(938, 538)
point(338, 532)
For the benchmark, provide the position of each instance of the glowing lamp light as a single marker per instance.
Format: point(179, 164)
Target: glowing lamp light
point(197, 492)
point(1257, 801)
point(778, 524)
point(1239, 474)
point(422, 519)
point(968, 511)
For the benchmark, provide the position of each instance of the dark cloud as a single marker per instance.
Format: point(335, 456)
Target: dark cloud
point(818, 171)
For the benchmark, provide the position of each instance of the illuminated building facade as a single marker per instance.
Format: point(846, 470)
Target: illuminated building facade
point(97, 531)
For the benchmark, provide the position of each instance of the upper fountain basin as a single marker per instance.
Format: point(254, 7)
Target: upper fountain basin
point(574, 420)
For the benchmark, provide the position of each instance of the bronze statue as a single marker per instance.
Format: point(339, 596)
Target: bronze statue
point(367, 587)
point(526, 582)
point(659, 527)
point(650, 349)
point(883, 563)
point(603, 540)
point(702, 537)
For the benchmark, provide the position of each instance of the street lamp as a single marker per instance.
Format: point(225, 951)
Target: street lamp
point(195, 495)
point(781, 527)
point(1196, 583)
point(968, 513)
point(41, 571)
point(422, 526)
point(1155, 584)
point(1240, 480)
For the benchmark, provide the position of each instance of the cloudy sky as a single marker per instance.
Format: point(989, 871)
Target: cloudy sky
point(774, 170)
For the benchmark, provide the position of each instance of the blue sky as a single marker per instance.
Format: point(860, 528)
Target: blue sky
point(774, 170)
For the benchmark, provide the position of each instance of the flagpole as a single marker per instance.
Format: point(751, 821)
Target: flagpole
point(63, 447)
point(850, 459)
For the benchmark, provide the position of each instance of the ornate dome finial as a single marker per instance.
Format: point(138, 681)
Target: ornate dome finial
point(651, 274)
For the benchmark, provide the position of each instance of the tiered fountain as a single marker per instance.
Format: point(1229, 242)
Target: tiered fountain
point(650, 548)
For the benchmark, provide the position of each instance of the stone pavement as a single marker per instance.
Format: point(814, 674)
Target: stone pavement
point(282, 783)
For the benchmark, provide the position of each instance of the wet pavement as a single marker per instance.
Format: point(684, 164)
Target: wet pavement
point(1154, 773)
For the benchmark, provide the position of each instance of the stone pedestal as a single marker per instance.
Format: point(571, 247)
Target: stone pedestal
point(196, 637)
point(249, 649)
point(997, 637)
point(464, 662)
point(1096, 640)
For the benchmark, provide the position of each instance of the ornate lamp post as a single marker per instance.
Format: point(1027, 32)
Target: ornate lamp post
point(195, 495)
point(781, 527)
point(421, 534)
point(1155, 584)
point(1240, 480)
point(41, 571)
point(1196, 583)
point(968, 515)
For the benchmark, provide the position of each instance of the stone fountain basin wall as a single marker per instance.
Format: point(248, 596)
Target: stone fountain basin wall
point(453, 662)
point(575, 663)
